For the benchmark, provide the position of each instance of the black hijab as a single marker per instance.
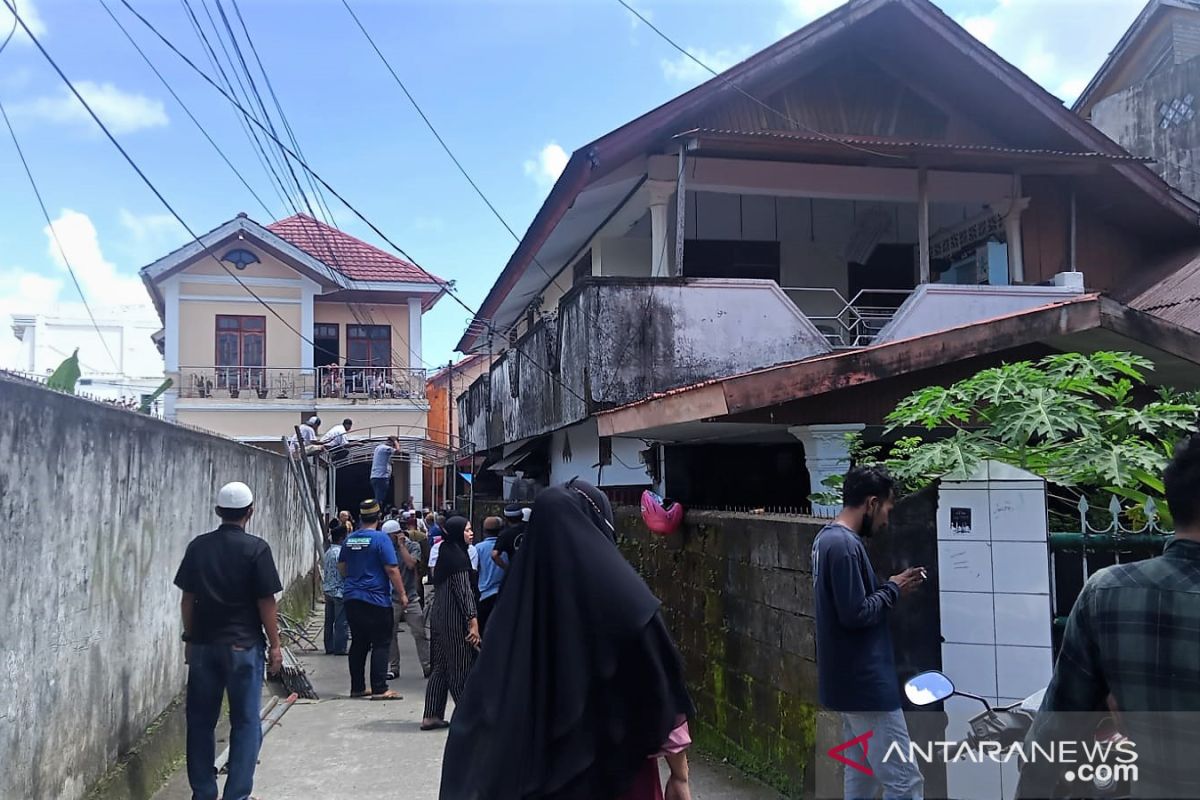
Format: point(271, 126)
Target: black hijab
point(452, 554)
point(578, 681)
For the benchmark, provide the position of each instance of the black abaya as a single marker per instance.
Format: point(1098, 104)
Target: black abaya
point(578, 681)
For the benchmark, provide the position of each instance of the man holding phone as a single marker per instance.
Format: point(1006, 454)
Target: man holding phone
point(856, 669)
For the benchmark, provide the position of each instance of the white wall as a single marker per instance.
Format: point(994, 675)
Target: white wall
point(626, 468)
point(937, 307)
point(628, 257)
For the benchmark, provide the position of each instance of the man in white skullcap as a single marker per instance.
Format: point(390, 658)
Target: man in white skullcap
point(229, 582)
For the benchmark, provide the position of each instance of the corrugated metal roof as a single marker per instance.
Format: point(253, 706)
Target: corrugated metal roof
point(893, 145)
point(352, 257)
point(1175, 298)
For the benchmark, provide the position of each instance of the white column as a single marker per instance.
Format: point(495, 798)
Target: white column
point(171, 345)
point(826, 453)
point(1012, 233)
point(416, 479)
point(923, 223)
point(660, 256)
point(308, 382)
point(414, 333)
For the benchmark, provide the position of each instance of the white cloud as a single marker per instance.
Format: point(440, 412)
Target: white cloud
point(685, 70)
point(21, 292)
point(798, 13)
point(29, 13)
point(102, 283)
point(1060, 44)
point(158, 231)
point(547, 165)
point(121, 111)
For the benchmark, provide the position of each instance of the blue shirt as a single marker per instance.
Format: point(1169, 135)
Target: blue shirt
point(856, 668)
point(381, 462)
point(490, 575)
point(367, 554)
point(331, 580)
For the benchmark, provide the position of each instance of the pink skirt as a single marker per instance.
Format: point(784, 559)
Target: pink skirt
point(648, 784)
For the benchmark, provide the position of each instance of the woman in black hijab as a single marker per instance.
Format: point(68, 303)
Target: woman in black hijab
point(454, 623)
point(579, 685)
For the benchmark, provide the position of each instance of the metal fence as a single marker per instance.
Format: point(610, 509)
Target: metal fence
point(337, 382)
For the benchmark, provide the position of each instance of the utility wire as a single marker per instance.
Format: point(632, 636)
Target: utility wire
point(442, 284)
point(432, 129)
point(145, 179)
point(50, 225)
point(185, 108)
point(743, 92)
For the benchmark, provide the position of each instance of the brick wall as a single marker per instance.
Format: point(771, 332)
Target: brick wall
point(737, 596)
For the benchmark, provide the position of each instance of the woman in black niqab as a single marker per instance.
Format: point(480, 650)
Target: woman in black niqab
point(578, 683)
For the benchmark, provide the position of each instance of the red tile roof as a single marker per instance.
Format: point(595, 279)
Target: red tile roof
point(352, 257)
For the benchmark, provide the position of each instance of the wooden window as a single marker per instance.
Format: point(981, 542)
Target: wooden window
point(241, 342)
point(369, 345)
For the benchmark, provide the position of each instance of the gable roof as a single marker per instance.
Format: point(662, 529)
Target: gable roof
point(352, 265)
point(352, 257)
point(1098, 87)
point(1020, 109)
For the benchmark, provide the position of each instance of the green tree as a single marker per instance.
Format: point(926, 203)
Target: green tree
point(1088, 424)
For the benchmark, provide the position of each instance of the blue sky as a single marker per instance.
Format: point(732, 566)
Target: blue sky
point(513, 85)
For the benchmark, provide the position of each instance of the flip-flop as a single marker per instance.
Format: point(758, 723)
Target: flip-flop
point(358, 695)
point(435, 726)
point(388, 695)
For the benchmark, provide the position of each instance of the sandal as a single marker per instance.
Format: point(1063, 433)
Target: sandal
point(364, 693)
point(388, 695)
point(434, 726)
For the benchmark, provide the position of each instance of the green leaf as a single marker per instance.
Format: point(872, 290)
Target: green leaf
point(931, 407)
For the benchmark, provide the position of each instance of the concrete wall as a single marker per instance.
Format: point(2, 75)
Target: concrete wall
point(1132, 118)
point(626, 468)
point(938, 307)
point(737, 597)
point(100, 505)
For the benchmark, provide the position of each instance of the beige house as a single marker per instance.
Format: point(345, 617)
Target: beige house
point(265, 325)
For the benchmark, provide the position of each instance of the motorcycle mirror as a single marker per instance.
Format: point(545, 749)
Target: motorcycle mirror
point(928, 688)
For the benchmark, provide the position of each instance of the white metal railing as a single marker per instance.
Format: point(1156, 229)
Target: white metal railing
point(853, 322)
point(377, 383)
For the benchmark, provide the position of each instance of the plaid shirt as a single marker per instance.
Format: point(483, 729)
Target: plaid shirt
point(1134, 633)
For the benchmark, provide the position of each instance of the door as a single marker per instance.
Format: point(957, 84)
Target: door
point(241, 349)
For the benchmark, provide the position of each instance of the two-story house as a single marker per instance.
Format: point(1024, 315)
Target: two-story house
point(876, 177)
point(266, 325)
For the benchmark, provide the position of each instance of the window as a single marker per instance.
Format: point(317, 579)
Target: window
point(241, 351)
point(605, 451)
point(715, 258)
point(369, 345)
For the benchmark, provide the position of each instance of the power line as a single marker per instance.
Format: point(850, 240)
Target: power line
point(145, 179)
point(743, 92)
point(432, 129)
point(49, 224)
point(185, 108)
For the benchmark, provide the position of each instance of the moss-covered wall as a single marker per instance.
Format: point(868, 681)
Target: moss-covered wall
point(737, 596)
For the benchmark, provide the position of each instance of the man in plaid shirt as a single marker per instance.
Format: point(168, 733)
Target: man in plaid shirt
point(1133, 640)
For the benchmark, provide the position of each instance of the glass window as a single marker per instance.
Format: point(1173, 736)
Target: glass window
point(241, 342)
point(369, 345)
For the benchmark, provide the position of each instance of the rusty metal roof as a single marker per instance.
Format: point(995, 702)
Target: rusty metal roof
point(870, 145)
point(1175, 298)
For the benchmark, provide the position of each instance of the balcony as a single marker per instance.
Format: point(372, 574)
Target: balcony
point(325, 383)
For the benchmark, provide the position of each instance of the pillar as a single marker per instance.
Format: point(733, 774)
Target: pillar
point(171, 345)
point(923, 224)
point(416, 480)
point(826, 453)
point(1012, 233)
point(660, 199)
point(308, 379)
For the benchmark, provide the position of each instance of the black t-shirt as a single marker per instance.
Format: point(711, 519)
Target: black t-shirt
point(228, 571)
point(510, 539)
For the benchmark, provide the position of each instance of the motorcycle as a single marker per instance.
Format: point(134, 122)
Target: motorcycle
point(1008, 726)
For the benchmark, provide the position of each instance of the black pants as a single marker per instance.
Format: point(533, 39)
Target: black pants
point(370, 630)
point(486, 607)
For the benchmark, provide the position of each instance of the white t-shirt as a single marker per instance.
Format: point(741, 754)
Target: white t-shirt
point(306, 432)
point(472, 553)
point(336, 436)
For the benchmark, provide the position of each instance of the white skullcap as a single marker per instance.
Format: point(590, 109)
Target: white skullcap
point(235, 495)
point(525, 512)
point(391, 526)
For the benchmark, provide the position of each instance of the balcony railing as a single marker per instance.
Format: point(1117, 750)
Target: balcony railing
point(854, 322)
point(332, 382)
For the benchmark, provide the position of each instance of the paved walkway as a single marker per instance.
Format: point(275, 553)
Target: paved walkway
point(342, 749)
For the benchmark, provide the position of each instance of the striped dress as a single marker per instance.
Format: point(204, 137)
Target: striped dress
point(450, 655)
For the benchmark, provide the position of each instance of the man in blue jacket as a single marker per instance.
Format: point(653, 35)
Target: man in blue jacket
point(856, 669)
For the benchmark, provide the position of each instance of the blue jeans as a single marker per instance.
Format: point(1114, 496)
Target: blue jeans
point(214, 670)
point(382, 487)
point(337, 630)
point(901, 780)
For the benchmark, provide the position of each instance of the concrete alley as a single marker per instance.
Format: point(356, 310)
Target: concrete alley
point(342, 749)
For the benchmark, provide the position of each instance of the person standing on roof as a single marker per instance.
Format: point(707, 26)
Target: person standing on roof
point(229, 582)
point(335, 440)
point(369, 565)
point(381, 471)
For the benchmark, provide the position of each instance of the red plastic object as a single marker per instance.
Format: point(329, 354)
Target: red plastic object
point(661, 518)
